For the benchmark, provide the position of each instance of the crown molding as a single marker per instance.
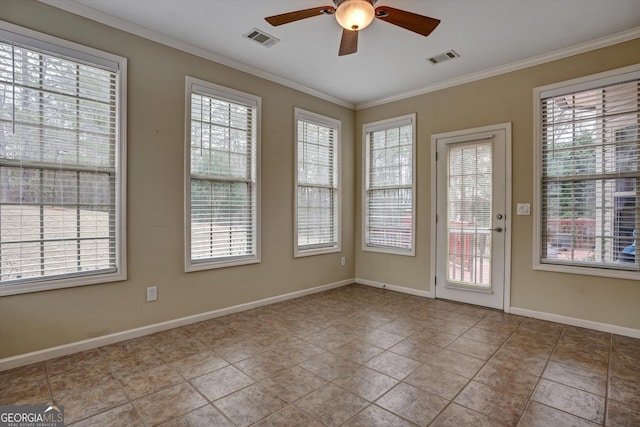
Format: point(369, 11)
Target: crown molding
point(126, 26)
point(120, 24)
point(576, 49)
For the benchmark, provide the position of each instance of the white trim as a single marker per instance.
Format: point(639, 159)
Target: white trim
point(395, 288)
point(194, 85)
point(554, 55)
point(103, 18)
point(118, 65)
point(573, 85)
point(551, 317)
point(585, 271)
point(506, 297)
point(591, 81)
point(65, 349)
point(407, 119)
point(581, 323)
point(120, 24)
point(63, 47)
point(462, 135)
point(300, 114)
point(298, 253)
point(433, 215)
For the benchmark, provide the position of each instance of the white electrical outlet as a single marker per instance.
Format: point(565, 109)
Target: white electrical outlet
point(152, 293)
point(343, 261)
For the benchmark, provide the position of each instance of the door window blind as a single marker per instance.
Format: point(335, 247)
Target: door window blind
point(590, 173)
point(317, 183)
point(59, 168)
point(469, 205)
point(223, 176)
point(389, 185)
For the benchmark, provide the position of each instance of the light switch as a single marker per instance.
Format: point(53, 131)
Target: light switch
point(524, 209)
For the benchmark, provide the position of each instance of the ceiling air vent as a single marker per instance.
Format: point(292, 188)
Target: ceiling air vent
point(261, 37)
point(452, 54)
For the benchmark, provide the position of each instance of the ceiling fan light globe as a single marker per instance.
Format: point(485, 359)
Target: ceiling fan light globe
point(355, 15)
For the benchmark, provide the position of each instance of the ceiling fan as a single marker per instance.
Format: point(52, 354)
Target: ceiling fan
point(355, 15)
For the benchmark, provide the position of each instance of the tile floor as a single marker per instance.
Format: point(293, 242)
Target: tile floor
point(352, 356)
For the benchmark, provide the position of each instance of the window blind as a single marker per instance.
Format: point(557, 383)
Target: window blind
point(469, 202)
point(317, 184)
point(590, 172)
point(223, 180)
point(389, 205)
point(59, 172)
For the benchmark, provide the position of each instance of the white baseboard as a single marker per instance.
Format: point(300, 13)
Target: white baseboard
point(395, 288)
point(63, 350)
point(572, 321)
point(582, 323)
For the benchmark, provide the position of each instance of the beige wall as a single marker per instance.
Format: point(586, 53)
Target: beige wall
point(155, 196)
point(156, 100)
point(505, 98)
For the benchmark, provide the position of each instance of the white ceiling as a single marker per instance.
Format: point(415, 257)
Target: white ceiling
point(490, 36)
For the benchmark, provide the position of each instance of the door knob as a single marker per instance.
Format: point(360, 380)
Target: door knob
point(498, 229)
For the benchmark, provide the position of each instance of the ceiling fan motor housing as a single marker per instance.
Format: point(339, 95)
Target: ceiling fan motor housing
point(339, 2)
point(354, 15)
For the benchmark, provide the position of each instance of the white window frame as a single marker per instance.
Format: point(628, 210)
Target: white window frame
point(409, 119)
point(310, 117)
point(217, 91)
point(77, 52)
point(566, 87)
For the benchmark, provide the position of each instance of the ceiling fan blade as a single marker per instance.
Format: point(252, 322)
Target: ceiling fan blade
point(408, 20)
point(348, 43)
point(285, 18)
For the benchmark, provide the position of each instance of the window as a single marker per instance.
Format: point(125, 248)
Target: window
point(317, 198)
point(389, 186)
point(222, 189)
point(62, 163)
point(588, 175)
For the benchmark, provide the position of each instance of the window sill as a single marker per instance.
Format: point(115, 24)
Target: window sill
point(52, 284)
point(588, 271)
point(389, 251)
point(300, 253)
point(212, 265)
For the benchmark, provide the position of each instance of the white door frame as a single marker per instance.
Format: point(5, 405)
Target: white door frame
point(506, 128)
